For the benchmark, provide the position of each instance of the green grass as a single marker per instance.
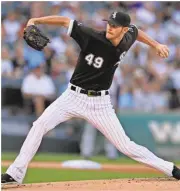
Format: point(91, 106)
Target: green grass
point(63, 157)
point(54, 175)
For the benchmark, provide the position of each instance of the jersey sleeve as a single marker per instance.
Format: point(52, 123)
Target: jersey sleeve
point(80, 33)
point(133, 31)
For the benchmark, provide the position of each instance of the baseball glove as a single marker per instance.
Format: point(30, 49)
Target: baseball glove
point(35, 38)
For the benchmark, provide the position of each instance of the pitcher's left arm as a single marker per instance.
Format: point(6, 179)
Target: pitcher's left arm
point(161, 49)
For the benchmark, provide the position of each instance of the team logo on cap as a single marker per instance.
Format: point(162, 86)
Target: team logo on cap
point(114, 15)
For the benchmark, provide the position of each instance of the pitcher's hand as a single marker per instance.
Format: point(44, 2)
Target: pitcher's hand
point(30, 22)
point(162, 50)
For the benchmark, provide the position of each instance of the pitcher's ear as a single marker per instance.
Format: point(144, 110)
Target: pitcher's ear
point(125, 29)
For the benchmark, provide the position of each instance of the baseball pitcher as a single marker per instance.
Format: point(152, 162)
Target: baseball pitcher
point(87, 95)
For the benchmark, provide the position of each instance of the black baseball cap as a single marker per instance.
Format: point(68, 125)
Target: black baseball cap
point(119, 19)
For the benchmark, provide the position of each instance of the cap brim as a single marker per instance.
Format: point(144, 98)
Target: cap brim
point(111, 21)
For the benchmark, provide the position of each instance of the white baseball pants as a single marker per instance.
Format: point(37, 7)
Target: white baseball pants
point(96, 110)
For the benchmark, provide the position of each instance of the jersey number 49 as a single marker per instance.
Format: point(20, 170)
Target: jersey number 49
point(94, 61)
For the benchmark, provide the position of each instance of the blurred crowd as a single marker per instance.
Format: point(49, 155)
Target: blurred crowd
point(147, 82)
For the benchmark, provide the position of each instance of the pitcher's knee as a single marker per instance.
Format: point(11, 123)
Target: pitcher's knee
point(127, 148)
point(41, 123)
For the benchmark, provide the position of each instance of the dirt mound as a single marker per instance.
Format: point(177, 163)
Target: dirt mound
point(160, 184)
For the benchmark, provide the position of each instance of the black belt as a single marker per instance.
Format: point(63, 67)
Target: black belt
point(90, 92)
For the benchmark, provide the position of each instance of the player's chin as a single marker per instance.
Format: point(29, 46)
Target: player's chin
point(109, 36)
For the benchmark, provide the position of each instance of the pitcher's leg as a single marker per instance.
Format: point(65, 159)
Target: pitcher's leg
point(108, 123)
point(52, 116)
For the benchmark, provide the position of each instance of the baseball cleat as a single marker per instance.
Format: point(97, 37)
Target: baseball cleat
point(176, 173)
point(7, 179)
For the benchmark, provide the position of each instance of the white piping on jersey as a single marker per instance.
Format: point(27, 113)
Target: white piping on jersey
point(70, 27)
point(133, 26)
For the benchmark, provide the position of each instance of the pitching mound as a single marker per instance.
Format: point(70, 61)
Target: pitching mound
point(160, 184)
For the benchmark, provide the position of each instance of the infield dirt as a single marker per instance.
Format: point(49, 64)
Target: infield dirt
point(103, 185)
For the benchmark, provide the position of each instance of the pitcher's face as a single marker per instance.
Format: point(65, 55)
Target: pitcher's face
point(113, 32)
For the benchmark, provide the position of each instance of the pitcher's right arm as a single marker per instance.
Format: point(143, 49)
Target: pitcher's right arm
point(50, 20)
point(76, 30)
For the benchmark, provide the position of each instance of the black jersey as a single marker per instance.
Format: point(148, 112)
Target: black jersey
point(98, 58)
